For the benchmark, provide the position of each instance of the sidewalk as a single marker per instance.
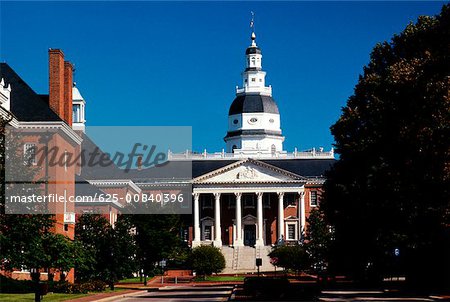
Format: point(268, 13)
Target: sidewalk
point(152, 284)
point(155, 282)
point(103, 296)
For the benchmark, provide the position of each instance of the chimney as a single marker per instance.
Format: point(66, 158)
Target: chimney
point(139, 163)
point(68, 83)
point(56, 81)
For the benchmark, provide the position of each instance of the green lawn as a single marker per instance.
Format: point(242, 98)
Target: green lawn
point(220, 278)
point(134, 280)
point(49, 296)
point(30, 297)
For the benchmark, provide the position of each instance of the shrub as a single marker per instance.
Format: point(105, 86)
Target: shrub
point(206, 260)
point(9, 285)
point(292, 257)
point(78, 288)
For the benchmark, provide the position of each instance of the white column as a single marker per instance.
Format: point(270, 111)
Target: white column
point(280, 215)
point(302, 215)
point(259, 238)
point(238, 239)
point(196, 240)
point(217, 228)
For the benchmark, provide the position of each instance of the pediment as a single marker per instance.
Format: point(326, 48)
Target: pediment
point(249, 171)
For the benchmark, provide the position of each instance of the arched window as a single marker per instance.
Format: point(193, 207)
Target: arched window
point(274, 149)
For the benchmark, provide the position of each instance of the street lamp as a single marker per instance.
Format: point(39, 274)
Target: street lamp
point(34, 273)
point(144, 271)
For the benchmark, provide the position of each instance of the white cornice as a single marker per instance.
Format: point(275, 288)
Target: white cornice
point(105, 183)
point(60, 125)
point(7, 115)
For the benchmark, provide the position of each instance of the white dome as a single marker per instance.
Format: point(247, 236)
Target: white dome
point(76, 95)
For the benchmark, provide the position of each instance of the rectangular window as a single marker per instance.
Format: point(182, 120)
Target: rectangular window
point(185, 235)
point(207, 234)
point(289, 199)
point(249, 200)
point(291, 232)
point(231, 202)
point(76, 113)
point(266, 201)
point(29, 154)
point(66, 227)
point(253, 80)
point(313, 199)
point(206, 201)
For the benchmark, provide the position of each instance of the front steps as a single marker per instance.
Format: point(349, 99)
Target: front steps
point(242, 259)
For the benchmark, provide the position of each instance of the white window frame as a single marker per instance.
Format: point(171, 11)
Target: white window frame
point(310, 198)
point(26, 147)
point(207, 221)
point(286, 227)
point(77, 113)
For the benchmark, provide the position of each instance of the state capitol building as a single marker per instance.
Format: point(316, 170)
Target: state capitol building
point(244, 199)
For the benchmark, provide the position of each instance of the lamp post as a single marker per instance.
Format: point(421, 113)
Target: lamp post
point(34, 273)
point(144, 270)
point(162, 264)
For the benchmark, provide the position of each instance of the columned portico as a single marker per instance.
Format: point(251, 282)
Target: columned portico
point(241, 205)
point(238, 237)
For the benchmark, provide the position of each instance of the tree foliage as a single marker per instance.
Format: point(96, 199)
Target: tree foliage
point(104, 253)
point(390, 187)
point(157, 238)
point(290, 257)
point(23, 240)
point(318, 238)
point(206, 260)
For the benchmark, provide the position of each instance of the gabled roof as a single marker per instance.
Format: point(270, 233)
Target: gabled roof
point(84, 188)
point(26, 104)
point(256, 163)
point(177, 170)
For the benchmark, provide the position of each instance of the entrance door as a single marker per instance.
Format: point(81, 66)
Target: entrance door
point(249, 234)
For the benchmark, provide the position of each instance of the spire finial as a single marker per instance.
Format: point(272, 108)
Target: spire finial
point(252, 26)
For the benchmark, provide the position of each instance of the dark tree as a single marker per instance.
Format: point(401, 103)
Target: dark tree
point(59, 254)
point(103, 252)
point(390, 188)
point(157, 238)
point(318, 240)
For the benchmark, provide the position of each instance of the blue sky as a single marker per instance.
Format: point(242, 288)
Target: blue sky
point(177, 63)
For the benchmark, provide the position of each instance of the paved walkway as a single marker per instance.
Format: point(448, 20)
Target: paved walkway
point(206, 290)
point(182, 294)
point(103, 296)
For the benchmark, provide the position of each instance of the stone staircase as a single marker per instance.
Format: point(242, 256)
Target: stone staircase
point(242, 259)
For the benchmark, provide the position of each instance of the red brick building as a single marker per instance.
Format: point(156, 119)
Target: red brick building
point(31, 115)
